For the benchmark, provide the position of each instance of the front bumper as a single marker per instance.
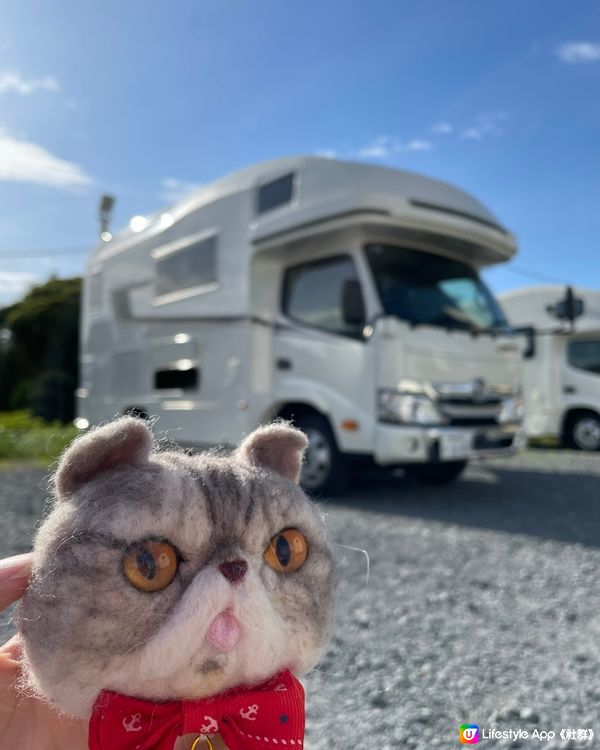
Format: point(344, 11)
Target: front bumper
point(397, 444)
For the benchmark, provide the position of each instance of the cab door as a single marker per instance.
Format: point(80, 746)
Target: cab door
point(581, 391)
point(320, 359)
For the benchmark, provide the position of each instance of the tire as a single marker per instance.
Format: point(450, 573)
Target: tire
point(442, 473)
point(582, 431)
point(325, 470)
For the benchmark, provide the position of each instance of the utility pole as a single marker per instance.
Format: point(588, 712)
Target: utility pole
point(105, 211)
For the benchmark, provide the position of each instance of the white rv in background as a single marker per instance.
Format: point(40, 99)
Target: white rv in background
point(340, 295)
point(562, 367)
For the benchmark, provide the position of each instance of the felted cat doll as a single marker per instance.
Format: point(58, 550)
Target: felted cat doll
point(176, 595)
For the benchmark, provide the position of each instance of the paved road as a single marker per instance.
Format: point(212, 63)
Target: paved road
point(482, 604)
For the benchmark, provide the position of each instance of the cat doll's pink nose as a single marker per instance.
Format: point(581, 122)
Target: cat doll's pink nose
point(234, 570)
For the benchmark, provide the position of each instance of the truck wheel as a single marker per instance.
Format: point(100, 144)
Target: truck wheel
point(436, 473)
point(583, 431)
point(325, 470)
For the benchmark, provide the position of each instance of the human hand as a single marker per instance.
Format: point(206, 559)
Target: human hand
point(26, 722)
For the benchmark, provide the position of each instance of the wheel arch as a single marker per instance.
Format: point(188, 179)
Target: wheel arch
point(573, 412)
point(569, 420)
point(335, 479)
point(292, 411)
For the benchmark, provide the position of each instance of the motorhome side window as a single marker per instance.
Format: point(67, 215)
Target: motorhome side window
point(275, 193)
point(585, 355)
point(192, 266)
point(313, 294)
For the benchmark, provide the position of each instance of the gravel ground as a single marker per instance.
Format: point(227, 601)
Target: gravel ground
point(481, 604)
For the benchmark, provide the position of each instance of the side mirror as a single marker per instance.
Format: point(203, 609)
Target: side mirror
point(353, 306)
point(529, 333)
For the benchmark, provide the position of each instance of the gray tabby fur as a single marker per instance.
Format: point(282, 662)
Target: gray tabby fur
point(85, 628)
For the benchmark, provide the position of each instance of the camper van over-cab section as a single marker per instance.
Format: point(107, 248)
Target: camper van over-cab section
point(343, 296)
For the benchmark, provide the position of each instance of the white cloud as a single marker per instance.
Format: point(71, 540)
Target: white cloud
point(418, 145)
point(379, 148)
point(24, 161)
point(13, 81)
point(386, 146)
point(373, 152)
point(175, 190)
point(487, 124)
point(472, 134)
point(14, 284)
point(442, 128)
point(327, 153)
point(492, 123)
point(579, 52)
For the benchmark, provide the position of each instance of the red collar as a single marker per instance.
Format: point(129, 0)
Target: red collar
point(248, 718)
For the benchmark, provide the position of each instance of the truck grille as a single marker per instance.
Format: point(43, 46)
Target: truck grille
point(471, 403)
point(469, 413)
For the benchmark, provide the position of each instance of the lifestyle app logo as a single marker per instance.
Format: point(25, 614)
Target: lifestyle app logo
point(468, 734)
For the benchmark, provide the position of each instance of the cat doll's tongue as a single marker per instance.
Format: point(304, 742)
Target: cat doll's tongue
point(224, 632)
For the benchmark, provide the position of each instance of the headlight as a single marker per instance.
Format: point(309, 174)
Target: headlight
point(408, 408)
point(512, 410)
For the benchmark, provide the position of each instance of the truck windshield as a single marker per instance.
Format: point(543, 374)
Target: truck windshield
point(427, 289)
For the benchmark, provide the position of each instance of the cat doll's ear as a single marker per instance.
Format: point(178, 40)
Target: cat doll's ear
point(278, 446)
point(124, 442)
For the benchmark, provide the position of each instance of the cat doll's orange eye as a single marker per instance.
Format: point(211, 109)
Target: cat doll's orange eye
point(287, 551)
point(150, 566)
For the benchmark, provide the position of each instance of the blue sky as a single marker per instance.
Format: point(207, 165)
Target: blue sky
point(146, 100)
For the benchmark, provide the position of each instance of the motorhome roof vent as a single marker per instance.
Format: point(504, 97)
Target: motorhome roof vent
point(276, 193)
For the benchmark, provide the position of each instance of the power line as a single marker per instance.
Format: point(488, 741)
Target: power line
point(520, 271)
point(49, 253)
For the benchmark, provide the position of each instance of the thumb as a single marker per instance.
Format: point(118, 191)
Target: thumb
point(14, 575)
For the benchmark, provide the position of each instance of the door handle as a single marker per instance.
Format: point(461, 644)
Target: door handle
point(283, 363)
point(507, 348)
point(569, 389)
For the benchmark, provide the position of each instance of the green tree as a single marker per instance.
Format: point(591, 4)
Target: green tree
point(39, 356)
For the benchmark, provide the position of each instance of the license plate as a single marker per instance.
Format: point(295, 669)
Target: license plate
point(455, 445)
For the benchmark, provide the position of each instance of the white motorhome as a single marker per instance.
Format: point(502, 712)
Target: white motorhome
point(340, 295)
point(562, 367)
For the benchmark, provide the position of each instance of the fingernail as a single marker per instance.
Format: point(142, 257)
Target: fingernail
point(15, 567)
